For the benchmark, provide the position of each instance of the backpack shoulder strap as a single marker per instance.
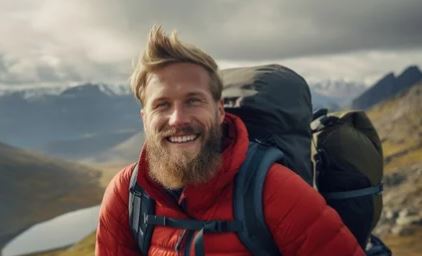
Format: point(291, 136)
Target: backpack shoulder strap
point(248, 205)
point(140, 205)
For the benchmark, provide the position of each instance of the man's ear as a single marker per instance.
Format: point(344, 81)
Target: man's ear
point(221, 111)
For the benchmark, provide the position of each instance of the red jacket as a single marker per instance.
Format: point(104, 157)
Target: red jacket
point(299, 219)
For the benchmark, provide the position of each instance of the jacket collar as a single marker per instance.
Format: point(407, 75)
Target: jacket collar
point(198, 198)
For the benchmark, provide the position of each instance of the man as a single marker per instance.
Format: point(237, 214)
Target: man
point(192, 152)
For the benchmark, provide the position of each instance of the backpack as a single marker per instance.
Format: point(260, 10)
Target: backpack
point(351, 187)
point(275, 104)
point(349, 170)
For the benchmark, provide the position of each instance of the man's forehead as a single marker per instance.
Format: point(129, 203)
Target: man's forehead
point(180, 70)
point(178, 76)
point(158, 89)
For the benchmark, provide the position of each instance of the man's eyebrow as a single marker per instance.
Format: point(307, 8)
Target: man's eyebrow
point(192, 94)
point(159, 99)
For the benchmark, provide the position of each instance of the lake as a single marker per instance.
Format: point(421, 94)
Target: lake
point(58, 232)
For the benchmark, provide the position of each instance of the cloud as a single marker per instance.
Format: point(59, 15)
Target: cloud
point(365, 67)
point(58, 41)
point(253, 30)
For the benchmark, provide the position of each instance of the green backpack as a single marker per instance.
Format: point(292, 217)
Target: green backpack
point(349, 169)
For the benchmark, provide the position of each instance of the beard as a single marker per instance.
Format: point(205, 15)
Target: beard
point(176, 170)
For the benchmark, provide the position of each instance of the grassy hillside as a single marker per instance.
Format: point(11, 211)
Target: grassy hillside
point(117, 157)
point(85, 247)
point(399, 123)
point(34, 188)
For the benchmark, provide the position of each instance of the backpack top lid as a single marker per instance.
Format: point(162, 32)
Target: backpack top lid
point(275, 104)
point(354, 150)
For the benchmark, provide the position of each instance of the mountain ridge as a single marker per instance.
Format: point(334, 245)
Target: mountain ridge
point(37, 122)
point(387, 87)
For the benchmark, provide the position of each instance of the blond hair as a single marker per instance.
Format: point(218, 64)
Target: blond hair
point(162, 50)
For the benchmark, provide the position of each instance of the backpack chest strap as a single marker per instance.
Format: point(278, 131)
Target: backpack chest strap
point(214, 226)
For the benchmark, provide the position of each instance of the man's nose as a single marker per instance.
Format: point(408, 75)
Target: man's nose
point(178, 117)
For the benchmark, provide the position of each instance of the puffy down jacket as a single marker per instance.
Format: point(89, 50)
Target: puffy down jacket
point(300, 221)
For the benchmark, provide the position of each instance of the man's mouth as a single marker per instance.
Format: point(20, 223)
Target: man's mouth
point(182, 139)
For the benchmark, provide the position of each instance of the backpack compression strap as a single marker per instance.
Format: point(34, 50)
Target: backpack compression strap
point(139, 205)
point(354, 193)
point(248, 205)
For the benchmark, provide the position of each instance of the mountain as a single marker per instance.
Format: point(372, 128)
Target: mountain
point(399, 124)
point(322, 101)
point(34, 188)
point(387, 87)
point(122, 154)
point(86, 145)
point(340, 92)
point(68, 122)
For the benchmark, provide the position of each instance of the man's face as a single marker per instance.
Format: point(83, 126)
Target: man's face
point(182, 124)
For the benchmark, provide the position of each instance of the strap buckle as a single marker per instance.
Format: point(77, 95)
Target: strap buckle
point(222, 226)
point(155, 220)
point(215, 226)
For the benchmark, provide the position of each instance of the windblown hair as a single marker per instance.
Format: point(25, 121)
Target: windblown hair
point(162, 50)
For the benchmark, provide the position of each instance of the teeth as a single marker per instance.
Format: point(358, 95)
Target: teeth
point(182, 139)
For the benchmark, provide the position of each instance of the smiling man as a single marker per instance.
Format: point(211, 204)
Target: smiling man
point(187, 169)
point(182, 121)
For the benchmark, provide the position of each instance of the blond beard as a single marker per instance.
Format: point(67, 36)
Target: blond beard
point(177, 171)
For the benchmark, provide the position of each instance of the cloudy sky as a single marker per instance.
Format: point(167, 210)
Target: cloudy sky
point(62, 42)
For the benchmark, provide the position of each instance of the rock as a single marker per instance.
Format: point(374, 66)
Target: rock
point(402, 230)
point(409, 220)
point(382, 230)
point(390, 214)
point(394, 179)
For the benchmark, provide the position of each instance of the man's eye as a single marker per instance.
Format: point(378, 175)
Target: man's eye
point(162, 105)
point(194, 101)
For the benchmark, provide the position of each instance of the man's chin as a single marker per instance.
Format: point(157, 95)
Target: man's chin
point(183, 155)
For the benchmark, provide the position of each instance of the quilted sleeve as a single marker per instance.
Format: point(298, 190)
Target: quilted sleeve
point(300, 220)
point(113, 233)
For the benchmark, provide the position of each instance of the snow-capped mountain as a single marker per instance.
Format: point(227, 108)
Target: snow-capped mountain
point(342, 92)
point(39, 92)
point(60, 118)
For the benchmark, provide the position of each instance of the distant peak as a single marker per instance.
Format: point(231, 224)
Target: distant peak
point(410, 76)
point(412, 70)
point(389, 77)
point(91, 88)
point(87, 88)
